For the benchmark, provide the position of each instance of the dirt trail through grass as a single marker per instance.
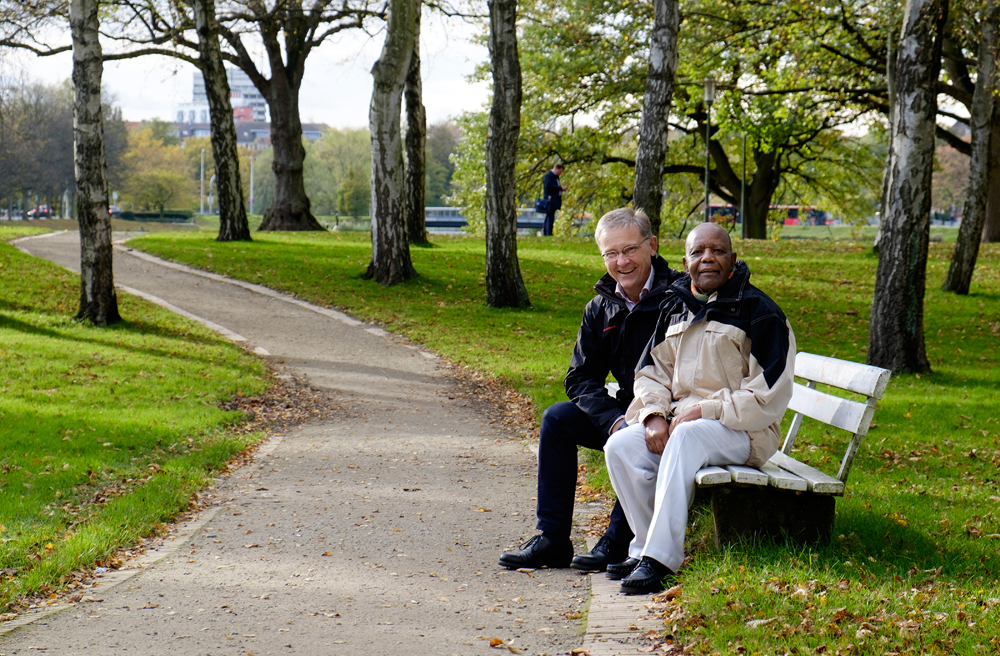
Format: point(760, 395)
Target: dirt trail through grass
point(374, 532)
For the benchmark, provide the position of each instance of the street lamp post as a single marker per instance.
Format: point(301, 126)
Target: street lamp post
point(251, 183)
point(202, 198)
point(709, 99)
point(743, 190)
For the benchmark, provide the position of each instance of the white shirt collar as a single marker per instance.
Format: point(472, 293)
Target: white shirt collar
point(620, 292)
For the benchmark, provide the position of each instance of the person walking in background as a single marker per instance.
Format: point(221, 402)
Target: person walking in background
point(552, 190)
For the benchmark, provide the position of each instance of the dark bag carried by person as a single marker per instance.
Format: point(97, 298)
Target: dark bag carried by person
point(542, 205)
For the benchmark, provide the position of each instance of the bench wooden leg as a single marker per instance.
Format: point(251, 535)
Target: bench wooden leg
point(741, 512)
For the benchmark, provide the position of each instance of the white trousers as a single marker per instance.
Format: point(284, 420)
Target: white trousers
point(656, 491)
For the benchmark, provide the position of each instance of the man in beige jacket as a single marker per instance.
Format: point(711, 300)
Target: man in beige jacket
point(710, 389)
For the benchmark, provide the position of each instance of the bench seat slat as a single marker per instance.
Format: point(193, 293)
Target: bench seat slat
point(747, 475)
point(818, 482)
point(851, 416)
point(782, 479)
point(859, 378)
point(712, 475)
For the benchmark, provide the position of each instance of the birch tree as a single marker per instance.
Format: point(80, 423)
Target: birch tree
point(98, 301)
point(991, 229)
point(963, 259)
point(655, 126)
point(416, 145)
point(390, 262)
point(896, 328)
point(233, 225)
point(504, 285)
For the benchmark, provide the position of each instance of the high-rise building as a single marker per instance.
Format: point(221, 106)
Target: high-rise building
point(248, 103)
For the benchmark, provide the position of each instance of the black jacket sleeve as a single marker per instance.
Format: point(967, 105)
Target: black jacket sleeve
point(589, 369)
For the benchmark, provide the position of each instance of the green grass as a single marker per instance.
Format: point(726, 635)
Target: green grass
point(108, 432)
point(855, 233)
point(923, 492)
point(346, 223)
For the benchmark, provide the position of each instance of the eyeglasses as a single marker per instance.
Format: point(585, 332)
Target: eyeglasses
point(628, 251)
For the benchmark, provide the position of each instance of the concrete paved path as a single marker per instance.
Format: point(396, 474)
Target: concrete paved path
point(373, 532)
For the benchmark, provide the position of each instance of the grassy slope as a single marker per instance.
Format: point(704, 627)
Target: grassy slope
point(915, 566)
point(107, 432)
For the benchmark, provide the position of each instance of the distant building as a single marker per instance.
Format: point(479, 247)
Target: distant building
point(248, 103)
point(192, 119)
point(255, 135)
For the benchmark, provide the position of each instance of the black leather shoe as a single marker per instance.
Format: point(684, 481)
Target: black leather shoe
point(539, 551)
point(647, 577)
point(604, 553)
point(618, 571)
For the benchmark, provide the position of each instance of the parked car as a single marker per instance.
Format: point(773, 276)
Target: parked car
point(115, 211)
point(40, 212)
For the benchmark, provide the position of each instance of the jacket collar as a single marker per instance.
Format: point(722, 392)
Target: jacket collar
point(726, 299)
point(663, 276)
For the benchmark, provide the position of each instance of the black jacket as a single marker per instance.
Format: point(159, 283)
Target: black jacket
point(612, 339)
point(552, 190)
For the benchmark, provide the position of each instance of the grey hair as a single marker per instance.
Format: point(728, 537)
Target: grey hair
point(623, 217)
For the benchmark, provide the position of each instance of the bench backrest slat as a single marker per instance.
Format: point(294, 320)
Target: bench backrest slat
point(847, 414)
point(859, 378)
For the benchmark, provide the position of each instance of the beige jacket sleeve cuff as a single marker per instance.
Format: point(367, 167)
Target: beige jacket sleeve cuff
point(710, 408)
point(649, 410)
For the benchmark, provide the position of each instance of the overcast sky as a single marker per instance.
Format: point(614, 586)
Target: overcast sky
point(337, 87)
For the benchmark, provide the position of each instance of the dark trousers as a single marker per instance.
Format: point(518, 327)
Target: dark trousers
point(564, 427)
point(550, 220)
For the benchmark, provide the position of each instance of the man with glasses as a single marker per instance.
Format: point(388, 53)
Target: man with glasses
point(616, 326)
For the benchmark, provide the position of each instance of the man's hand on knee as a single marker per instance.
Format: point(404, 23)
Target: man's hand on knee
point(692, 413)
point(657, 432)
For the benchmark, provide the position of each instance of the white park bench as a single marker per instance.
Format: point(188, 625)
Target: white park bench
point(786, 497)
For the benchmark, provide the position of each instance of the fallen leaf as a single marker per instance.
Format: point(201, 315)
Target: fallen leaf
point(753, 624)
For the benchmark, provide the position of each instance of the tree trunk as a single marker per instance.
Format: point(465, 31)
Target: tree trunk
point(759, 194)
point(390, 246)
point(963, 259)
point(233, 224)
point(896, 329)
point(416, 145)
point(504, 286)
point(98, 300)
point(759, 191)
point(890, 81)
point(290, 209)
point(991, 227)
point(654, 127)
